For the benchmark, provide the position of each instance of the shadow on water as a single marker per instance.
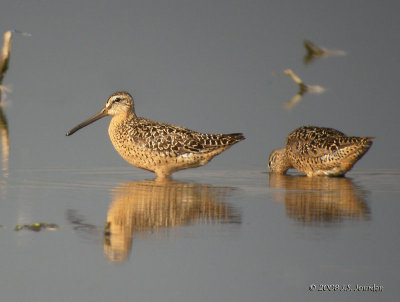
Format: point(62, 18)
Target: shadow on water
point(316, 200)
point(85, 229)
point(150, 207)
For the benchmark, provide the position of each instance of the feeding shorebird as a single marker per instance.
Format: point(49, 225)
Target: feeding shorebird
point(318, 151)
point(158, 147)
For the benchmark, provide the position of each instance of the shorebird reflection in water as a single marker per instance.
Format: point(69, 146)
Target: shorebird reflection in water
point(318, 151)
point(303, 89)
point(319, 200)
point(158, 147)
point(4, 65)
point(151, 207)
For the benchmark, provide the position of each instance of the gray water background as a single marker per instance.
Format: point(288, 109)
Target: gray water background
point(212, 67)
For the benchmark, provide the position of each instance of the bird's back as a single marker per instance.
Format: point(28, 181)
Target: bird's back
point(324, 151)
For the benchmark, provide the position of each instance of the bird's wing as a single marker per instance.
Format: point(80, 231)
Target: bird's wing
point(179, 140)
point(316, 141)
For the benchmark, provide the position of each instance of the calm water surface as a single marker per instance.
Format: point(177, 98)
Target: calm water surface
point(228, 231)
point(217, 236)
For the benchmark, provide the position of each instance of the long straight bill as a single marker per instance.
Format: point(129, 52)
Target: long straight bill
point(94, 118)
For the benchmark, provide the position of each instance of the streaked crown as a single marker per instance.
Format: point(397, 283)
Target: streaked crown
point(278, 161)
point(120, 102)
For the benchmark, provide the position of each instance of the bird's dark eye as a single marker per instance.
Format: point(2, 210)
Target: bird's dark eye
point(117, 100)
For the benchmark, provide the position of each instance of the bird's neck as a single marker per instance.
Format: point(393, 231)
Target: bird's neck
point(128, 115)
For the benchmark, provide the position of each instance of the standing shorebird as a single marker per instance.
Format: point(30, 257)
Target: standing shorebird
point(154, 146)
point(318, 151)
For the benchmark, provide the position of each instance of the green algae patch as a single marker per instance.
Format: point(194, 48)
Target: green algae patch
point(37, 227)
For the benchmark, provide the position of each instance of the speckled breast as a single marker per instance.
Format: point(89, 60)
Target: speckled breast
point(129, 149)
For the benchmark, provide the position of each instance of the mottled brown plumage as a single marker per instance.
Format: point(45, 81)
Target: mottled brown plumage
point(318, 151)
point(158, 147)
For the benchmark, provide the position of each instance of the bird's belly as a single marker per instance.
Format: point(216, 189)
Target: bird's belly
point(153, 160)
point(335, 171)
point(141, 158)
point(319, 166)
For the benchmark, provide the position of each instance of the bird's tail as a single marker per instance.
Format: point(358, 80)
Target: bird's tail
point(233, 138)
